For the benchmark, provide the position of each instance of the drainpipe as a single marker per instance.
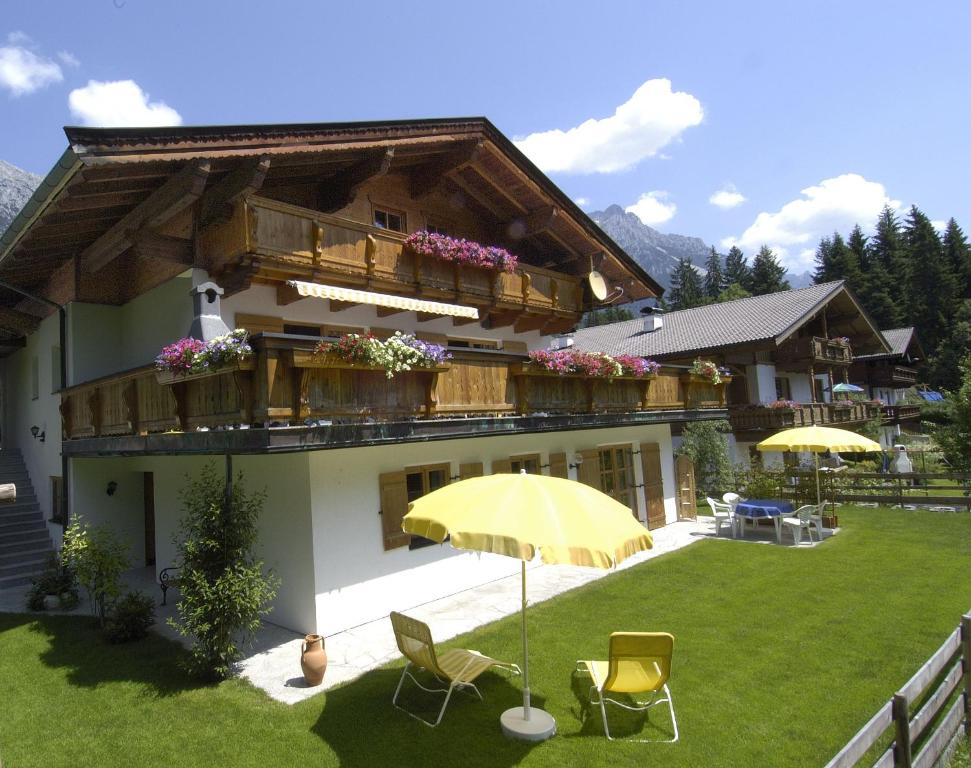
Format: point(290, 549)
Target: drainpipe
point(62, 322)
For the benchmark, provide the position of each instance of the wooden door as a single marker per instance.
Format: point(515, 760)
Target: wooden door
point(149, 492)
point(684, 472)
point(653, 484)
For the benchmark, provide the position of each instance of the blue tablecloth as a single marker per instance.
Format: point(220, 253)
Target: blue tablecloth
point(753, 508)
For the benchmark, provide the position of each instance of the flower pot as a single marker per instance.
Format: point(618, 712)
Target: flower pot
point(313, 659)
point(830, 521)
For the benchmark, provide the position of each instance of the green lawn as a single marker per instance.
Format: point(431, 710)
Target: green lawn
point(781, 655)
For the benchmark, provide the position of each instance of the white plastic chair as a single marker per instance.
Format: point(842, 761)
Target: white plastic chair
point(804, 518)
point(724, 514)
point(732, 499)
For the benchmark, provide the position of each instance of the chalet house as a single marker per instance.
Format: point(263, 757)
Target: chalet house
point(298, 233)
point(783, 353)
point(887, 376)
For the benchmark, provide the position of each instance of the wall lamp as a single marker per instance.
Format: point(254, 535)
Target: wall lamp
point(37, 434)
point(577, 461)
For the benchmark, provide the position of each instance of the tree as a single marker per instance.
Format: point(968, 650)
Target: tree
point(877, 297)
point(97, 557)
point(836, 261)
point(953, 434)
point(958, 255)
point(857, 242)
point(706, 444)
point(944, 365)
point(606, 316)
point(737, 270)
point(733, 291)
point(714, 277)
point(887, 247)
point(686, 289)
point(932, 288)
point(223, 590)
point(768, 275)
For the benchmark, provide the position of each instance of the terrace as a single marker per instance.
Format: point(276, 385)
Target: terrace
point(765, 418)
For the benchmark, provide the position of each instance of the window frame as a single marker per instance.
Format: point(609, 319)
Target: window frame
point(613, 472)
point(389, 211)
point(420, 542)
point(57, 500)
point(524, 459)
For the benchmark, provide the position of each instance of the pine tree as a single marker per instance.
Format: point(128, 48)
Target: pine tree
point(714, 278)
point(857, 242)
point(733, 291)
point(958, 255)
point(686, 289)
point(768, 275)
point(944, 365)
point(932, 288)
point(877, 297)
point(887, 247)
point(837, 261)
point(737, 270)
point(825, 270)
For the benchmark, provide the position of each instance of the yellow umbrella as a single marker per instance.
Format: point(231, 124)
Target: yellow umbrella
point(818, 440)
point(564, 521)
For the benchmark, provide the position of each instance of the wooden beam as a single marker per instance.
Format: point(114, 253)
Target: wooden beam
point(388, 311)
point(339, 306)
point(533, 223)
point(286, 294)
point(18, 322)
point(151, 245)
point(477, 197)
point(180, 191)
point(217, 203)
point(340, 190)
point(464, 320)
point(427, 178)
point(527, 323)
point(501, 319)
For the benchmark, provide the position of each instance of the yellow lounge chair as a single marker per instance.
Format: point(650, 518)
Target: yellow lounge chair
point(457, 667)
point(640, 662)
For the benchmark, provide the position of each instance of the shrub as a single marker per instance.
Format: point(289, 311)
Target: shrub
point(223, 590)
point(760, 483)
point(98, 558)
point(706, 444)
point(130, 618)
point(56, 579)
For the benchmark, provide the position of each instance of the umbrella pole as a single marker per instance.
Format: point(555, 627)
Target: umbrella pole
point(816, 462)
point(525, 651)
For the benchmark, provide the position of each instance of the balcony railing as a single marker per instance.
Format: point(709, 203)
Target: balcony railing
point(816, 350)
point(896, 413)
point(292, 241)
point(903, 376)
point(748, 417)
point(285, 383)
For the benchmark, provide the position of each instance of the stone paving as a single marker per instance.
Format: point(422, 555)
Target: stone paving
point(273, 663)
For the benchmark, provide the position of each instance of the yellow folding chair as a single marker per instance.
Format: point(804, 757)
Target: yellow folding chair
point(458, 668)
point(640, 662)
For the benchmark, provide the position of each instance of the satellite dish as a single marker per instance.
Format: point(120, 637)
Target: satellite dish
point(598, 286)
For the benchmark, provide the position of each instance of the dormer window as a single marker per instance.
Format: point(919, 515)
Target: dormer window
point(388, 218)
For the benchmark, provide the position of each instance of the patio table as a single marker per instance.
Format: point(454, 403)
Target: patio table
point(759, 509)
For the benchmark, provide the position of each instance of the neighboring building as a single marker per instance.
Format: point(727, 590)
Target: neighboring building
point(784, 352)
point(132, 226)
point(887, 376)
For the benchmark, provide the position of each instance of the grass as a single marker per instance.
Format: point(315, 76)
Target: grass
point(781, 655)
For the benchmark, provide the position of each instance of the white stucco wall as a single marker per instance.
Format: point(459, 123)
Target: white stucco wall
point(800, 387)
point(21, 410)
point(357, 581)
point(760, 380)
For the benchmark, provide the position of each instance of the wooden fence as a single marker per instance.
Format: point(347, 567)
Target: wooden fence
point(923, 738)
point(883, 489)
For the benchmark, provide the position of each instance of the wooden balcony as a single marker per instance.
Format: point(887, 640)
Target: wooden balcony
point(759, 418)
point(815, 351)
point(283, 241)
point(894, 414)
point(284, 383)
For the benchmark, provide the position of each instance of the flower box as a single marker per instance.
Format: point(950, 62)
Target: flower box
point(171, 377)
point(525, 369)
point(303, 358)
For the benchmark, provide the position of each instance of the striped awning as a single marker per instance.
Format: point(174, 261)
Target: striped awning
point(403, 303)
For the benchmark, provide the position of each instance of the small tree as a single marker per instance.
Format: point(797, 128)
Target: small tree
point(223, 589)
point(953, 433)
point(98, 558)
point(706, 444)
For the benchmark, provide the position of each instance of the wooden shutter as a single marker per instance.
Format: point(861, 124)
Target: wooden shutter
point(394, 506)
point(589, 470)
point(684, 473)
point(558, 466)
point(501, 466)
point(519, 347)
point(653, 484)
point(472, 469)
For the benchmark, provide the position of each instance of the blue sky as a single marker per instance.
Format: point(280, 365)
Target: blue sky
point(806, 116)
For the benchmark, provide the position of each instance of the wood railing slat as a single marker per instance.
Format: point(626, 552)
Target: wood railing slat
point(932, 667)
point(932, 750)
point(864, 739)
point(936, 700)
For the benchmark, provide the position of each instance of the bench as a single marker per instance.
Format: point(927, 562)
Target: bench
point(168, 577)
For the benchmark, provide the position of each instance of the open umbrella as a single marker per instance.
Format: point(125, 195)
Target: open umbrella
point(519, 515)
point(841, 387)
point(818, 440)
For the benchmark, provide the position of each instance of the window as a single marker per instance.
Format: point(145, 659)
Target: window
point(34, 378)
point(397, 489)
point(617, 475)
point(388, 218)
point(529, 462)
point(57, 500)
point(421, 481)
point(782, 389)
point(301, 330)
point(473, 343)
point(438, 229)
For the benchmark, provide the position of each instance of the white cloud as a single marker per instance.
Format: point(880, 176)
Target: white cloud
point(651, 119)
point(581, 201)
point(727, 197)
point(939, 224)
point(21, 70)
point(68, 59)
point(651, 209)
point(794, 230)
point(119, 103)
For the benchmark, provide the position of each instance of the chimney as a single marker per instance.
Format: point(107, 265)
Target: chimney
point(652, 322)
point(207, 322)
point(561, 342)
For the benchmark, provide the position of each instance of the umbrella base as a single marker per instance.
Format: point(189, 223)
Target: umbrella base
point(539, 727)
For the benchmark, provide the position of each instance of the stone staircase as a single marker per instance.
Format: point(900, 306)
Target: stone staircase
point(25, 544)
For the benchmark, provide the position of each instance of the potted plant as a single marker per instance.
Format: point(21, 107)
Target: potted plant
point(398, 354)
point(190, 357)
point(461, 251)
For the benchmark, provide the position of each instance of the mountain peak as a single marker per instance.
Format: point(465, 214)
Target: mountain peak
point(16, 187)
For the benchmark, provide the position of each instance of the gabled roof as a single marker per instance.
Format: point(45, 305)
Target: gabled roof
point(901, 342)
point(768, 319)
point(106, 172)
